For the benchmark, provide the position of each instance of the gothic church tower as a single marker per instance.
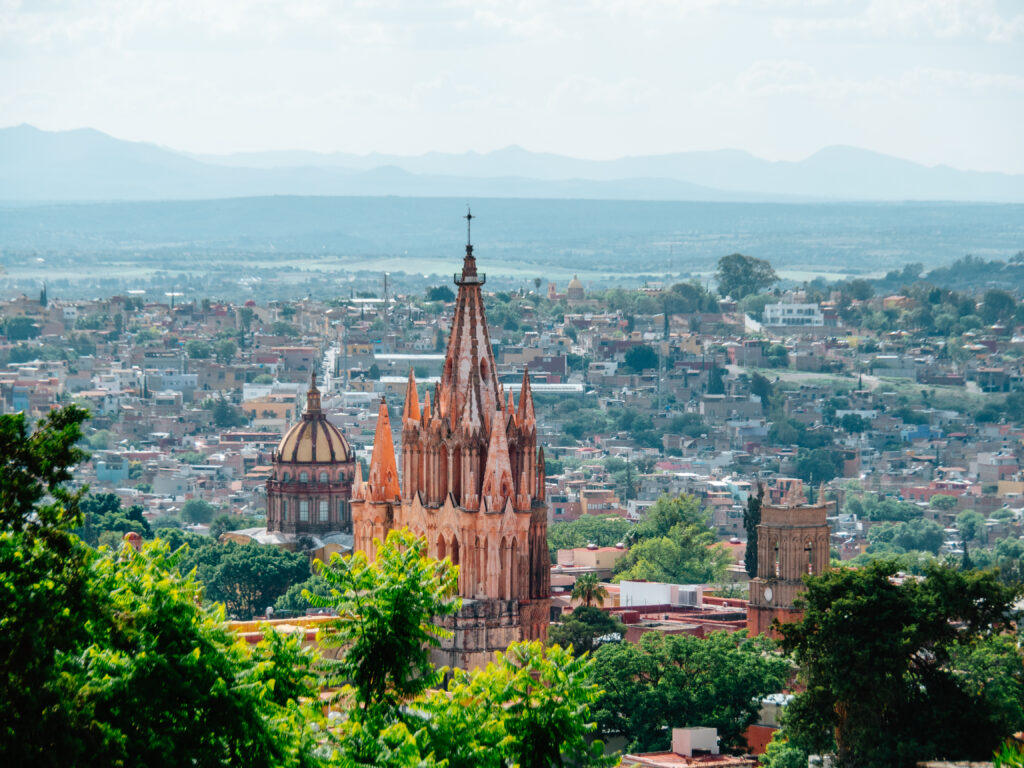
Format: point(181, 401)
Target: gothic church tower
point(473, 484)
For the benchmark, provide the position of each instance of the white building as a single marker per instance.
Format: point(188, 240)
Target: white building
point(782, 314)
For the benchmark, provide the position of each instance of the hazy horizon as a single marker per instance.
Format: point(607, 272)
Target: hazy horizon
point(371, 153)
point(936, 82)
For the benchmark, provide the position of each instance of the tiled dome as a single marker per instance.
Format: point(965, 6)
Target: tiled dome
point(314, 440)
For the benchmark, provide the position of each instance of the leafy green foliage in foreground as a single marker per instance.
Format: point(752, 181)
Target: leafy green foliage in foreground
point(110, 658)
point(386, 613)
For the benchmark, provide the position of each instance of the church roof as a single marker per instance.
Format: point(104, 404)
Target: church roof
point(313, 440)
point(469, 361)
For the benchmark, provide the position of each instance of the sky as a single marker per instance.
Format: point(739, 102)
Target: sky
point(934, 81)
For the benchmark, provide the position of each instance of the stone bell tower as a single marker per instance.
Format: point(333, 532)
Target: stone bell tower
point(792, 541)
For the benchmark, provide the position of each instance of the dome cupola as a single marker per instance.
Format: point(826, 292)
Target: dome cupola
point(314, 439)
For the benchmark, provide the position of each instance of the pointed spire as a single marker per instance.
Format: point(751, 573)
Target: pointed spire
point(383, 480)
point(425, 419)
point(542, 475)
point(412, 401)
point(469, 263)
point(313, 397)
point(357, 481)
point(472, 414)
point(526, 413)
point(497, 483)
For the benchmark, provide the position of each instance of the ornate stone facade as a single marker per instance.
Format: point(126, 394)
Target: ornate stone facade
point(792, 541)
point(310, 489)
point(472, 484)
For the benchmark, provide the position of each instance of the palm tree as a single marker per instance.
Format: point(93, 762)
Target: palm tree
point(588, 589)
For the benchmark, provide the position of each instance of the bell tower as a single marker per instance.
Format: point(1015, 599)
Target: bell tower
point(792, 541)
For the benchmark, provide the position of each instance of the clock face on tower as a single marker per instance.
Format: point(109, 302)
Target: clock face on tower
point(768, 594)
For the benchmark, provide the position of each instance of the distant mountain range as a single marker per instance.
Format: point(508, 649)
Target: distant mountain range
point(87, 165)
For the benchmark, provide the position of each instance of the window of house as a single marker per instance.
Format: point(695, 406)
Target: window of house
point(304, 511)
point(286, 476)
point(325, 510)
point(303, 477)
point(323, 477)
point(341, 509)
point(284, 509)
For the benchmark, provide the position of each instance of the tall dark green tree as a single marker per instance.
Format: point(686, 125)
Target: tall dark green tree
point(641, 357)
point(740, 275)
point(716, 381)
point(752, 519)
point(886, 666)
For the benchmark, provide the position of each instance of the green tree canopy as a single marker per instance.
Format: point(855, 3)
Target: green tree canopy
point(247, 578)
point(197, 511)
point(740, 275)
point(108, 657)
point(688, 554)
point(602, 530)
point(671, 681)
point(879, 660)
point(920, 535)
point(440, 293)
point(970, 524)
point(198, 350)
point(530, 708)
point(388, 609)
point(641, 357)
point(103, 513)
point(669, 511)
point(225, 350)
point(818, 466)
point(585, 629)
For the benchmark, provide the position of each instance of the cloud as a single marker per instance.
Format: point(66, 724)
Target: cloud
point(592, 94)
point(780, 78)
point(907, 19)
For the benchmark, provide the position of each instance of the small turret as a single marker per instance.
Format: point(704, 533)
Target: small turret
point(382, 484)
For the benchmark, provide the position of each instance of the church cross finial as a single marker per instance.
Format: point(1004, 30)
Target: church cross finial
point(469, 220)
